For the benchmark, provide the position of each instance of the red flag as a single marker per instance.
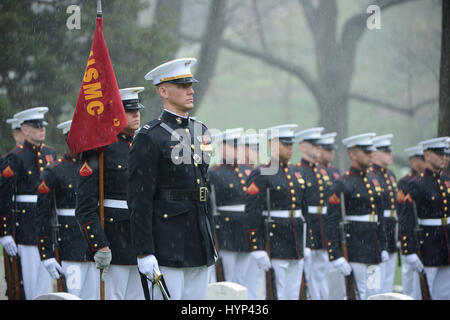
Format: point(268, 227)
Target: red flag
point(99, 114)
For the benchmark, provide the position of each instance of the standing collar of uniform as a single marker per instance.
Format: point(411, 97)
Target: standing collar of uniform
point(432, 173)
point(378, 168)
point(307, 163)
point(32, 146)
point(125, 136)
point(357, 172)
point(170, 117)
point(71, 158)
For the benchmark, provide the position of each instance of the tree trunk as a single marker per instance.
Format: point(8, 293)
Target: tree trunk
point(444, 81)
point(210, 47)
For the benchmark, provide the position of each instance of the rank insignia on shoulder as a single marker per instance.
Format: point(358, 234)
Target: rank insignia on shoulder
point(253, 189)
point(334, 199)
point(8, 172)
point(43, 188)
point(85, 170)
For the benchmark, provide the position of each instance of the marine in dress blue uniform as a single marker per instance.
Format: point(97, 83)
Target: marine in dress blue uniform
point(381, 159)
point(122, 279)
point(429, 192)
point(287, 207)
point(21, 170)
point(171, 224)
point(410, 278)
point(58, 226)
point(317, 184)
point(366, 238)
point(229, 179)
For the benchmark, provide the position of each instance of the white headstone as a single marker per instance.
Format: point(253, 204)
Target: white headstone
point(57, 296)
point(390, 296)
point(226, 291)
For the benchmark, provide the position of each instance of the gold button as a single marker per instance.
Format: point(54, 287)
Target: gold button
point(292, 191)
point(288, 177)
point(278, 188)
point(294, 198)
point(198, 181)
point(29, 172)
point(70, 186)
point(42, 240)
point(370, 191)
point(227, 219)
point(165, 216)
point(24, 211)
point(244, 189)
point(42, 248)
point(367, 185)
point(192, 146)
point(231, 185)
point(187, 130)
point(196, 164)
point(119, 166)
point(111, 220)
point(253, 233)
point(44, 256)
point(254, 240)
point(274, 226)
point(242, 181)
point(40, 161)
point(293, 206)
point(92, 236)
point(88, 227)
point(358, 195)
point(95, 245)
point(255, 247)
point(67, 226)
point(240, 175)
point(291, 184)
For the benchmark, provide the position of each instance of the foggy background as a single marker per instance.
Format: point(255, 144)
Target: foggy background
point(261, 63)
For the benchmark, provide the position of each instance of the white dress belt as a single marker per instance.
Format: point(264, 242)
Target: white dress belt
point(284, 214)
point(317, 210)
point(234, 208)
point(118, 204)
point(364, 218)
point(26, 198)
point(435, 222)
point(390, 214)
point(65, 212)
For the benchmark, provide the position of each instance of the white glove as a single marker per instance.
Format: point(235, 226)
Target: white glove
point(262, 259)
point(148, 265)
point(414, 261)
point(102, 261)
point(384, 256)
point(306, 253)
point(53, 267)
point(9, 245)
point(342, 265)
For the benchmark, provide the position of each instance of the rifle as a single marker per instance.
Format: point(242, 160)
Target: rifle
point(425, 290)
point(220, 275)
point(303, 287)
point(13, 268)
point(271, 289)
point(351, 288)
point(61, 282)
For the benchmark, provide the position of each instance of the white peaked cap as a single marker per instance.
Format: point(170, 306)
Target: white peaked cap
point(360, 140)
point(229, 134)
point(414, 151)
point(383, 141)
point(131, 93)
point(14, 123)
point(309, 134)
point(172, 70)
point(435, 143)
point(282, 131)
point(64, 126)
point(31, 114)
point(327, 138)
point(250, 139)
